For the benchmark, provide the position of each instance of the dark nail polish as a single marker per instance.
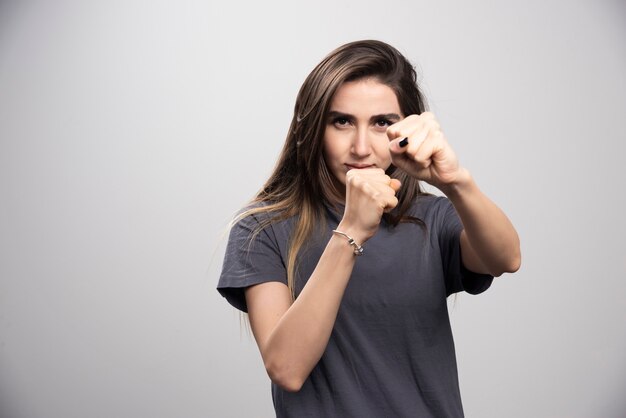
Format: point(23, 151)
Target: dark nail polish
point(404, 142)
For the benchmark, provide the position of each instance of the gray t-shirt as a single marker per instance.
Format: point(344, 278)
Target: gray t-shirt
point(391, 352)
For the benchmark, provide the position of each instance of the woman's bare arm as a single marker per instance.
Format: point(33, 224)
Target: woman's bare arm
point(293, 337)
point(489, 242)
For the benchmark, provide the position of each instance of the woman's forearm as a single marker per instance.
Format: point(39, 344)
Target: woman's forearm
point(490, 243)
point(299, 339)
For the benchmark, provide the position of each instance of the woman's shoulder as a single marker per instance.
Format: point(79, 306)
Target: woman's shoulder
point(260, 215)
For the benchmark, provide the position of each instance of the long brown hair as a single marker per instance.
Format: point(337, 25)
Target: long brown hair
point(301, 183)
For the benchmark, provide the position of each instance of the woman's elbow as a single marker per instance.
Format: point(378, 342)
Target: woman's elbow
point(515, 262)
point(285, 378)
point(510, 265)
point(290, 386)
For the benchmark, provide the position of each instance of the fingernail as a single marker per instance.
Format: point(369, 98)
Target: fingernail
point(404, 142)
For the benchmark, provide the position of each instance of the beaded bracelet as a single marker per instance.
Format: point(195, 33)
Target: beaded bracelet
point(358, 250)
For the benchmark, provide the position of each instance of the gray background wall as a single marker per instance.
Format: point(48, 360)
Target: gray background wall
point(130, 131)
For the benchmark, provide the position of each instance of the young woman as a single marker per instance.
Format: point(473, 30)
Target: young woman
point(343, 263)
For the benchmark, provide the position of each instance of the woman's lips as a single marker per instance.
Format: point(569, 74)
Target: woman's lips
point(359, 166)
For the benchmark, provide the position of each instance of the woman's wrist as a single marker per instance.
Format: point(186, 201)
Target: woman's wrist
point(356, 248)
point(462, 184)
point(356, 234)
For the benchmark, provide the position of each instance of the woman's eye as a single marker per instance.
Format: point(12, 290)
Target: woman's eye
point(383, 123)
point(341, 121)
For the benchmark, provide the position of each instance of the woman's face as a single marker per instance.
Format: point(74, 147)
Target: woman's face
point(356, 125)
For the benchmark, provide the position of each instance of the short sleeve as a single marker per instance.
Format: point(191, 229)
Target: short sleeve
point(457, 277)
point(250, 259)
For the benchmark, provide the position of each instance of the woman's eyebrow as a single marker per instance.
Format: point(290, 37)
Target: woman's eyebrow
point(390, 116)
point(335, 114)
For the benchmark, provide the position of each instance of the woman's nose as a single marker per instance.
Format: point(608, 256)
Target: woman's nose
point(361, 145)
